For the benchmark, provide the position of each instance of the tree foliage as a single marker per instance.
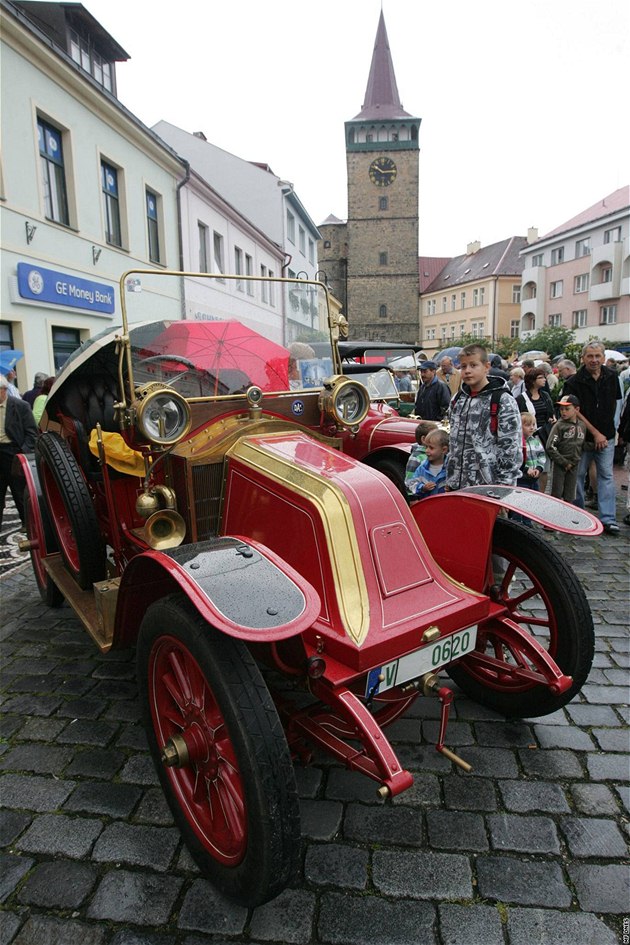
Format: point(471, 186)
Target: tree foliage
point(553, 340)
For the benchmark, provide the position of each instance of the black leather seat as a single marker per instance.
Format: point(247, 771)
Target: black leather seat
point(80, 404)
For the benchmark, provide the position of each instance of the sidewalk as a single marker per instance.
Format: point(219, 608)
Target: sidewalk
point(532, 847)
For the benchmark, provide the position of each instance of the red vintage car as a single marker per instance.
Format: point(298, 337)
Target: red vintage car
point(209, 487)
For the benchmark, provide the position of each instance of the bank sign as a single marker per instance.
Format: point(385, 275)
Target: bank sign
point(60, 288)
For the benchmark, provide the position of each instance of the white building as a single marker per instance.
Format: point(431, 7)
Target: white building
point(87, 190)
point(272, 206)
point(578, 275)
point(216, 238)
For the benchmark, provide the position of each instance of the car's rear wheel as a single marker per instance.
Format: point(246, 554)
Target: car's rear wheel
point(42, 542)
point(230, 782)
point(543, 596)
point(71, 510)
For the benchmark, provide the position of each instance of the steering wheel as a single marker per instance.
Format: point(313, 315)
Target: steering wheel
point(177, 358)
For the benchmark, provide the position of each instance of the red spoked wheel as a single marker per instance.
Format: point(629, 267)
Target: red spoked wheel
point(220, 752)
point(543, 597)
point(42, 542)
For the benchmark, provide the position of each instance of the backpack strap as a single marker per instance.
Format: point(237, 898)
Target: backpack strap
point(495, 400)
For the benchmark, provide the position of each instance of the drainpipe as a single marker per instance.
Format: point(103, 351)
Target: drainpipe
point(180, 237)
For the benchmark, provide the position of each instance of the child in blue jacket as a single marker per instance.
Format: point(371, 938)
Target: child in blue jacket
point(430, 476)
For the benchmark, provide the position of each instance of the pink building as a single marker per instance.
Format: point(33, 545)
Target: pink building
point(578, 275)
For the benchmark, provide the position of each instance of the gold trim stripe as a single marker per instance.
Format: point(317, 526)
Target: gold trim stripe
point(337, 521)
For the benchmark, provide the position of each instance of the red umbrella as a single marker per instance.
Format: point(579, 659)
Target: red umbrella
point(223, 348)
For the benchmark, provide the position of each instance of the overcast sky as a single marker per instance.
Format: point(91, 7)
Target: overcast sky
point(523, 105)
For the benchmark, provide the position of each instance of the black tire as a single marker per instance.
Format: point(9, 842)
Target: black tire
point(543, 595)
point(394, 470)
point(236, 802)
point(71, 510)
point(43, 544)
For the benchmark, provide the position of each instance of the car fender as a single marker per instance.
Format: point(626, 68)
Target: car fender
point(238, 585)
point(460, 520)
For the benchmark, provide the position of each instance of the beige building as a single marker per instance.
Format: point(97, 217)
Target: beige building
point(476, 294)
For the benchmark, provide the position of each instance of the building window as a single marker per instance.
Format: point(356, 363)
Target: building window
point(462, 329)
point(482, 295)
point(290, 226)
point(249, 271)
point(607, 274)
point(463, 300)
point(6, 336)
point(272, 289)
point(153, 228)
point(453, 302)
point(475, 297)
point(581, 283)
point(202, 230)
point(579, 318)
point(382, 311)
point(443, 303)
point(90, 61)
point(53, 173)
point(514, 327)
point(264, 294)
point(65, 341)
point(443, 333)
point(613, 235)
point(302, 238)
point(431, 334)
point(431, 307)
point(383, 203)
point(537, 260)
point(557, 255)
point(238, 268)
point(608, 315)
point(555, 289)
point(311, 252)
point(217, 250)
point(452, 332)
point(382, 259)
point(555, 320)
point(583, 247)
point(516, 294)
point(327, 244)
point(111, 204)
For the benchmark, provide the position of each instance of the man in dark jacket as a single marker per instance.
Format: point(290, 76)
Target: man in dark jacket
point(18, 433)
point(597, 389)
point(433, 395)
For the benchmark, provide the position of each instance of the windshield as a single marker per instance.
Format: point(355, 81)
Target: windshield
point(216, 336)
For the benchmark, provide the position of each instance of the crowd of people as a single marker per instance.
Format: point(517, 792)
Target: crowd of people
point(523, 425)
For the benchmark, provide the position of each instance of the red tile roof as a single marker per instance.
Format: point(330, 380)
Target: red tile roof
point(618, 200)
point(429, 267)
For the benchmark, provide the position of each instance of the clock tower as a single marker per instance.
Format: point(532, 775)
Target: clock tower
point(377, 281)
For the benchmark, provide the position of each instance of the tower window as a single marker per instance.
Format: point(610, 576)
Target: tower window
point(382, 311)
point(383, 203)
point(382, 259)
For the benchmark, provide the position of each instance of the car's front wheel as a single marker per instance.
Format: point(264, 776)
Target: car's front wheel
point(220, 752)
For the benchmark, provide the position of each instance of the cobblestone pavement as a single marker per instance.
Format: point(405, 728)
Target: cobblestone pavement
point(530, 848)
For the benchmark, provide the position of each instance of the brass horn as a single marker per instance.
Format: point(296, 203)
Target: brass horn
point(164, 529)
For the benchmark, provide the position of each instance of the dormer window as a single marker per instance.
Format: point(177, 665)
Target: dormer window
point(86, 56)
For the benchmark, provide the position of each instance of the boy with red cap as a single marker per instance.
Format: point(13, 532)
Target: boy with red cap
point(564, 448)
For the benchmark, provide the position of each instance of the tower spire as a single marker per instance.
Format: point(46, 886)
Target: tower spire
point(381, 95)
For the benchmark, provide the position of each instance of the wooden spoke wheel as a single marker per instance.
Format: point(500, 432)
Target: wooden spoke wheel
point(543, 596)
point(220, 752)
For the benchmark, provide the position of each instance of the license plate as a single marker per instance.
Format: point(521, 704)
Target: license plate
point(426, 660)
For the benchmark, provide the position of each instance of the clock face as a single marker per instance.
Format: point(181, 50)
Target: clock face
point(382, 171)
